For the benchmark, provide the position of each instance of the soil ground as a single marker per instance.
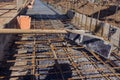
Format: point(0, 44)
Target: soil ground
point(107, 13)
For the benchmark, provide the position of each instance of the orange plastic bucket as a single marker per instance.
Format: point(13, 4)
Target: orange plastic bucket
point(24, 22)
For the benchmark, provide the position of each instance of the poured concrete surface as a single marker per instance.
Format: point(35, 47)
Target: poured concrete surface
point(40, 8)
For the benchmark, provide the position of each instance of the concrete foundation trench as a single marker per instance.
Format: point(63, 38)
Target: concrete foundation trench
point(55, 56)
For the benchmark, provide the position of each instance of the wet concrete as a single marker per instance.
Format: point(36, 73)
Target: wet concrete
point(40, 8)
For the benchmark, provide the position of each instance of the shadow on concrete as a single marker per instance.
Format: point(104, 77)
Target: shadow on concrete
point(27, 77)
point(48, 17)
point(98, 27)
point(5, 66)
point(55, 74)
point(71, 13)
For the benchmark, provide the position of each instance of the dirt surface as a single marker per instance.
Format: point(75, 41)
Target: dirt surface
point(7, 2)
point(102, 12)
point(7, 13)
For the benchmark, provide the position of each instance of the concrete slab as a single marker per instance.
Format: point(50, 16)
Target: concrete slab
point(41, 9)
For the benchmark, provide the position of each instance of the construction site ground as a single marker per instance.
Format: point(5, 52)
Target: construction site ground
point(8, 10)
point(53, 56)
point(106, 13)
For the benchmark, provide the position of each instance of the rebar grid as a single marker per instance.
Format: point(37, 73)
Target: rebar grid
point(51, 60)
point(50, 56)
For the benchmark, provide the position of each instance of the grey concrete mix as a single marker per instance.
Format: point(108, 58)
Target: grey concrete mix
point(39, 8)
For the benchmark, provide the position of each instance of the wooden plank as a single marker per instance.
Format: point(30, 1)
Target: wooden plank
point(30, 31)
